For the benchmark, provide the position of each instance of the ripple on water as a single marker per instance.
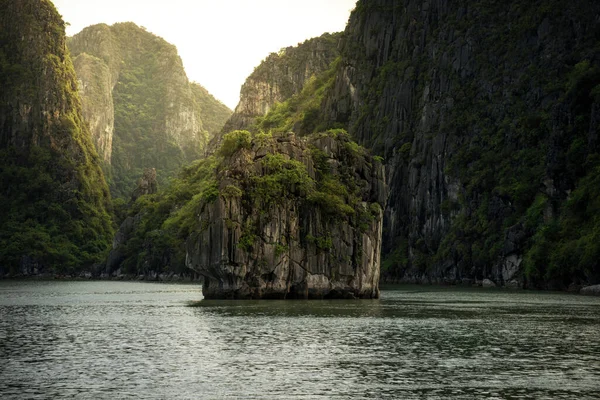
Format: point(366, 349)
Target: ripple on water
point(136, 340)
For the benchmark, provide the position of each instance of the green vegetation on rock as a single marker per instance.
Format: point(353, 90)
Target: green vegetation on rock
point(165, 220)
point(161, 120)
point(278, 78)
point(55, 199)
point(301, 112)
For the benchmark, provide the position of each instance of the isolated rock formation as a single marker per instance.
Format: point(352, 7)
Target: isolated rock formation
point(591, 290)
point(293, 218)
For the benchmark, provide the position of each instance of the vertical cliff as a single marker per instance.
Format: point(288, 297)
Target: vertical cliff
point(487, 116)
point(279, 77)
point(141, 107)
point(292, 218)
point(95, 87)
point(52, 189)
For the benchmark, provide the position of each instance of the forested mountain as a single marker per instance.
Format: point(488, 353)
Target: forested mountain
point(485, 114)
point(141, 107)
point(55, 201)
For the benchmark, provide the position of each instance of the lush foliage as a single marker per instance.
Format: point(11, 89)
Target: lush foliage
point(282, 178)
point(56, 202)
point(165, 220)
point(301, 113)
point(234, 141)
point(150, 95)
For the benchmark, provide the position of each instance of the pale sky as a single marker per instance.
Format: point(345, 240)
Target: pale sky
point(219, 41)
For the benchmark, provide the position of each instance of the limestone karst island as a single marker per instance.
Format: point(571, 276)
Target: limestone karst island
point(432, 166)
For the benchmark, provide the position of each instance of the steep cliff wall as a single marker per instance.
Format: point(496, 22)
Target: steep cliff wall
point(52, 190)
point(279, 77)
point(142, 110)
point(293, 218)
point(95, 87)
point(487, 116)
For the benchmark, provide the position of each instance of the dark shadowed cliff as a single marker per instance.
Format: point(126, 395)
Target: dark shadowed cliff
point(52, 189)
point(487, 116)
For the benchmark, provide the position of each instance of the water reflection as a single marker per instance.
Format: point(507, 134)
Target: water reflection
point(298, 309)
point(132, 340)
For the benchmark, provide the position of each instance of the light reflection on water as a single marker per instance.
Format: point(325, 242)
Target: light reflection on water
point(136, 340)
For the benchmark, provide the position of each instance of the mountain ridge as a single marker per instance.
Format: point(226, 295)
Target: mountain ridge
point(143, 110)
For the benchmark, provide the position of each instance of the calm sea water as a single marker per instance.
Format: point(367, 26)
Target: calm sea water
point(112, 340)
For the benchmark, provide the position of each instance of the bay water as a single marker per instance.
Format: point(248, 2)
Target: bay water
point(133, 340)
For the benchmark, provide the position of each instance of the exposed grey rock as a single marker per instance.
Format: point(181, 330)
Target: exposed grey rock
point(591, 290)
point(514, 284)
point(511, 267)
point(146, 185)
point(488, 283)
point(279, 77)
point(289, 248)
point(95, 88)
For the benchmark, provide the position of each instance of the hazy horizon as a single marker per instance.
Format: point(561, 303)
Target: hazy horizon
point(222, 42)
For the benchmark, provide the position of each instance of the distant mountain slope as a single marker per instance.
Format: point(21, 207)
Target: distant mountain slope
point(212, 112)
point(54, 198)
point(142, 109)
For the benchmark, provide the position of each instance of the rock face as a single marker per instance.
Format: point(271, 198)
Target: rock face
point(294, 218)
point(54, 197)
point(279, 77)
point(591, 290)
point(95, 87)
point(488, 283)
point(487, 116)
point(141, 107)
point(146, 185)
